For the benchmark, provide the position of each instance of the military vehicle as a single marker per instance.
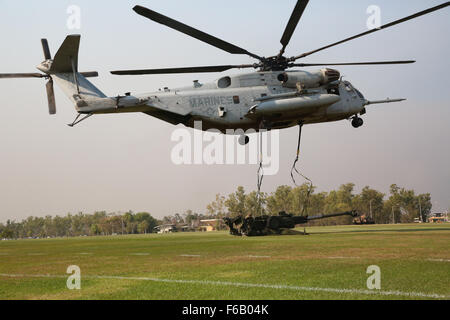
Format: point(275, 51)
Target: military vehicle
point(364, 219)
point(269, 225)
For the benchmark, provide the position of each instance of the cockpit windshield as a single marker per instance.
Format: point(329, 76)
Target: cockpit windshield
point(359, 94)
point(350, 88)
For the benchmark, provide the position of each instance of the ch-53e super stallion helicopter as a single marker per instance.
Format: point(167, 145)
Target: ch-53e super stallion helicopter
point(271, 98)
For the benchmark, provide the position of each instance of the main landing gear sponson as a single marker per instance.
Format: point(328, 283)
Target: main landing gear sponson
point(357, 122)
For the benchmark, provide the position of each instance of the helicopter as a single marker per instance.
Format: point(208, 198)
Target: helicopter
point(272, 97)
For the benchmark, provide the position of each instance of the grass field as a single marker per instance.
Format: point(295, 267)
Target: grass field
point(330, 263)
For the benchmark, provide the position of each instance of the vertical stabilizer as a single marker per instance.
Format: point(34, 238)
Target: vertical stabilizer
point(64, 70)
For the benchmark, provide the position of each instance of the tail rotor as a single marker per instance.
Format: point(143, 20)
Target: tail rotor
point(43, 67)
point(46, 49)
point(49, 85)
point(51, 97)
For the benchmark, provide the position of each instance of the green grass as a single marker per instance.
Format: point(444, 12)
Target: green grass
point(412, 258)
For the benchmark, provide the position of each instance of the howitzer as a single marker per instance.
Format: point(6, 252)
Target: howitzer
point(267, 225)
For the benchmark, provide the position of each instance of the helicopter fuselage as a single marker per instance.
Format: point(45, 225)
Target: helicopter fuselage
point(245, 101)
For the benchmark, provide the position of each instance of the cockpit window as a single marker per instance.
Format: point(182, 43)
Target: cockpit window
point(333, 89)
point(359, 93)
point(224, 82)
point(348, 86)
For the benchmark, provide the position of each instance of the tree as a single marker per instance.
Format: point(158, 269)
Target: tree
point(217, 208)
point(236, 202)
point(178, 218)
point(335, 201)
point(130, 225)
point(143, 227)
point(77, 225)
point(7, 234)
point(405, 206)
point(370, 200)
point(345, 197)
point(280, 200)
point(95, 230)
point(424, 204)
point(145, 216)
point(168, 220)
point(317, 203)
point(254, 205)
point(115, 223)
point(301, 198)
point(191, 218)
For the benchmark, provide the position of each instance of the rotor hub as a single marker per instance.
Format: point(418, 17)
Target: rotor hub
point(274, 63)
point(45, 66)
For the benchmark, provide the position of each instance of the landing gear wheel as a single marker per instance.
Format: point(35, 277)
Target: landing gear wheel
point(273, 223)
point(357, 122)
point(244, 140)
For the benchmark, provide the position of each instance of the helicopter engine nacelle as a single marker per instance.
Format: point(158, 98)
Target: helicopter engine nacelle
point(308, 80)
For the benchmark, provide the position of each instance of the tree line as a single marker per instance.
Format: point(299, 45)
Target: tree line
point(99, 223)
point(400, 206)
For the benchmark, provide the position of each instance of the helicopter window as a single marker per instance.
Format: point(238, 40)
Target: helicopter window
point(236, 100)
point(359, 94)
point(334, 91)
point(348, 86)
point(224, 82)
point(222, 112)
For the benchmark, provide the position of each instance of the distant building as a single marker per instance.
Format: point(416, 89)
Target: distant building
point(438, 218)
point(170, 228)
point(209, 225)
point(166, 228)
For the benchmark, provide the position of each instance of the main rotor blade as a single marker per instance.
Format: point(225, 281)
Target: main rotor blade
point(46, 49)
point(184, 70)
point(51, 97)
point(89, 74)
point(292, 24)
point(419, 14)
point(20, 75)
point(200, 35)
point(351, 63)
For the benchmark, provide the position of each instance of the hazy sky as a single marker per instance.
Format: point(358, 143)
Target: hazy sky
point(122, 162)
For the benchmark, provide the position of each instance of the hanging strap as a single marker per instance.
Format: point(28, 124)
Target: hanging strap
point(260, 173)
point(294, 169)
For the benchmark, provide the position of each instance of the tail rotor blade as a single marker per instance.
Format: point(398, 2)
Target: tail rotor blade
point(46, 49)
point(20, 75)
point(51, 97)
